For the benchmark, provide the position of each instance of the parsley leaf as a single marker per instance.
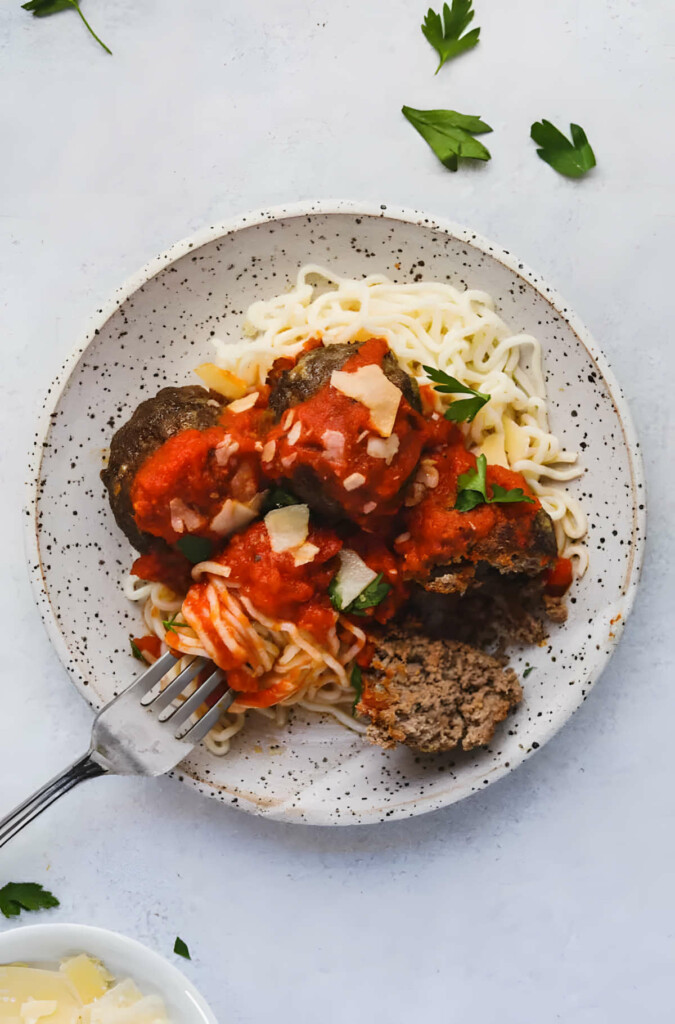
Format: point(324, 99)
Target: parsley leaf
point(370, 596)
point(445, 35)
point(356, 680)
point(195, 549)
point(526, 671)
point(180, 949)
point(461, 411)
point(573, 159)
point(472, 490)
point(135, 650)
point(171, 624)
point(373, 595)
point(18, 896)
point(278, 497)
point(450, 134)
point(43, 8)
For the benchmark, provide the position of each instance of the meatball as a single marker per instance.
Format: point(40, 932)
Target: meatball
point(157, 419)
point(434, 695)
point(313, 370)
point(327, 444)
point(445, 549)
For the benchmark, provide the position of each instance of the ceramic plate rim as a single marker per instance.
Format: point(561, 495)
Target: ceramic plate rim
point(308, 209)
point(86, 936)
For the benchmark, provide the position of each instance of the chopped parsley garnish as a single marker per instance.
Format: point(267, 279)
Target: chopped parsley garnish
point(445, 34)
point(171, 624)
point(472, 490)
point(356, 680)
point(526, 671)
point(43, 8)
point(279, 497)
point(450, 135)
point(464, 410)
point(195, 549)
point(136, 651)
point(573, 159)
point(180, 949)
point(370, 596)
point(18, 896)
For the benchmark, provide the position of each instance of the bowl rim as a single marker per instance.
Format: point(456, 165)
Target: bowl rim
point(327, 207)
point(86, 935)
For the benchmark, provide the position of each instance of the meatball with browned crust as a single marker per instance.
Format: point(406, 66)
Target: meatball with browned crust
point(434, 695)
point(171, 411)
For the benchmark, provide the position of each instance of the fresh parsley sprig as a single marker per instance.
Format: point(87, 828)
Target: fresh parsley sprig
point(459, 412)
point(18, 896)
point(445, 34)
point(278, 497)
point(472, 490)
point(356, 680)
point(370, 596)
point(171, 624)
point(450, 134)
point(195, 549)
point(572, 159)
point(43, 8)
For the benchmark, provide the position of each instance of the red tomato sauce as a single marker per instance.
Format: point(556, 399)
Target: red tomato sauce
point(329, 410)
point(163, 565)
point(275, 586)
point(559, 578)
point(150, 645)
point(198, 470)
point(279, 588)
point(438, 534)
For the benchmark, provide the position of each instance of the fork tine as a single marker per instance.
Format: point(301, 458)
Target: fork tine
point(195, 700)
point(198, 731)
point(152, 675)
point(176, 686)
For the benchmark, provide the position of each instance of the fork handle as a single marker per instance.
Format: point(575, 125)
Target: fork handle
point(85, 768)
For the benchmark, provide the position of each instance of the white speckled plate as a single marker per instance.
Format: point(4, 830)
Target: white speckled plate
point(155, 330)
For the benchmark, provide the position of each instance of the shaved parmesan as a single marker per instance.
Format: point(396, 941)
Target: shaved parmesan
point(234, 515)
point(369, 386)
point(183, 517)
point(305, 553)
point(353, 481)
point(222, 381)
point(244, 404)
point(493, 450)
point(287, 527)
point(294, 435)
point(225, 450)
point(353, 577)
point(334, 443)
point(268, 451)
point(383, 447)
point(37, 1009)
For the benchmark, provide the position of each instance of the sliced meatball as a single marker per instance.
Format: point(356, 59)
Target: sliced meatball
point(156, 420)
point(444, 548)
point(434, 695)
point(327, 444)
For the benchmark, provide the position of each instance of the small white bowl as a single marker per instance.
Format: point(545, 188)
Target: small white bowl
point(125, 958)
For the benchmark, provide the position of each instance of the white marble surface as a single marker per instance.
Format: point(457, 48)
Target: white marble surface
point(549, 897)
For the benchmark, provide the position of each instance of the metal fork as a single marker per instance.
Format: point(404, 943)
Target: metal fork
point(131, 736)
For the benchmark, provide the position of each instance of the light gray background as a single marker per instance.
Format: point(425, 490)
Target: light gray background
point(550, 897)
